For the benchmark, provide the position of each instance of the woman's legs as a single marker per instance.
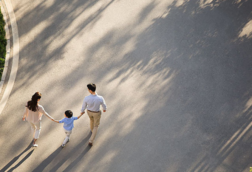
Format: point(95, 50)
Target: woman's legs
point(32, 128)
point(36, 128)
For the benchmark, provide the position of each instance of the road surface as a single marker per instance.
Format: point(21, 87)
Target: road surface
point(175, 74)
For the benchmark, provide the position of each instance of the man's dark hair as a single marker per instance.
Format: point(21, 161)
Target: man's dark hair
point(91, 86)
point(69, 113)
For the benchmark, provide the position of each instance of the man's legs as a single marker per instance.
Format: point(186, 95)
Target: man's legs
point(96, 117)
point(91, 121)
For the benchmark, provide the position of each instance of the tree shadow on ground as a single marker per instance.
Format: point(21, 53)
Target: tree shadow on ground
point(40, 45)
point(184, 89)
point(198, 69)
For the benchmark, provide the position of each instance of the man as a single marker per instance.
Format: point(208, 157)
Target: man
point(92, 103)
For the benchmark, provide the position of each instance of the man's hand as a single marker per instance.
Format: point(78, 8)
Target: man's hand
point(104, 110)
point(82, 113)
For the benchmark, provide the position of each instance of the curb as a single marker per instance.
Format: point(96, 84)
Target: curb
point(7, 57)
point(14, 57)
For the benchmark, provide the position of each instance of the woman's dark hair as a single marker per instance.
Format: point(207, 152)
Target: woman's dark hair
point(33, 103)
point(91, 87)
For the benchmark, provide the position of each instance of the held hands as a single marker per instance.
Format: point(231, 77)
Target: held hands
point(80, 115)
point(55, 120)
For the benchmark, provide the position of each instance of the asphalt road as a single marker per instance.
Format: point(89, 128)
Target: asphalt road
point(175, 74)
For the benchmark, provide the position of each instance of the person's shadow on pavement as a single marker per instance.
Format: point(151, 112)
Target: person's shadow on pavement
point(48, 160)
point(16, 158)
point(85, 140)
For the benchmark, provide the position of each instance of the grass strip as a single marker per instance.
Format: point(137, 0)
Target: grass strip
point(3, 43)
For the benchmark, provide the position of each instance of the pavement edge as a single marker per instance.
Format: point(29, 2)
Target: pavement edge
point(15, 56)
point(5, 16)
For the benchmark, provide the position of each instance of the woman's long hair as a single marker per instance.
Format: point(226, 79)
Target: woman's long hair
point(33, 103)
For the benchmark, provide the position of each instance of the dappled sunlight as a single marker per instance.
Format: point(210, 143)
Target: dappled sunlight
point(206, 3)
point(180, 2)
point(63, 36)
point(172, 72)
point(246, 30)
point(248, 105)
point(137, 16)
point(228, 153)
point(233, 140)
point(109, 156)
point(107, 159)
point(134, 87)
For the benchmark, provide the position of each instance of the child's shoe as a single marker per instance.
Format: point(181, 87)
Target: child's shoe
point(63, 145)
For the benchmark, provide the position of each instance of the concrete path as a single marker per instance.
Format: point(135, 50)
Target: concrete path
point(176, 76)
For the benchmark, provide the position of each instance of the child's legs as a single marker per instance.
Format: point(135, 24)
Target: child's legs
point(91, 120)
point(38, 129)
point(68, 133)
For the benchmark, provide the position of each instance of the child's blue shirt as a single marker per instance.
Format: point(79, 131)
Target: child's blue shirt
point(68, 123)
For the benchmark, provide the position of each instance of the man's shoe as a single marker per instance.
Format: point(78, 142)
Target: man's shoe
point(90, 144)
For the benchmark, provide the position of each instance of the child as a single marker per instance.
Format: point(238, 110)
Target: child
point(68, 125)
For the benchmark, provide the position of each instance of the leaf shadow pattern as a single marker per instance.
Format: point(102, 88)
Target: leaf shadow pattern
point(204, 122)
point(192, 112)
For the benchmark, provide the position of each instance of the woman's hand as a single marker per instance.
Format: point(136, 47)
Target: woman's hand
point(55, 120)
point(23, 118)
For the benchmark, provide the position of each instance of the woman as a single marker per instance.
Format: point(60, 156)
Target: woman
point(33, 114)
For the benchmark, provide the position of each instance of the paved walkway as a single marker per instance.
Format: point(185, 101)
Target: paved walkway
point(175, 76)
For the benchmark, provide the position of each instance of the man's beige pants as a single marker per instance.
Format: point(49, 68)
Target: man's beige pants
point(94, 123)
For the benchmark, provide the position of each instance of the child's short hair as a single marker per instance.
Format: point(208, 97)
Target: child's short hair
point(69, 113)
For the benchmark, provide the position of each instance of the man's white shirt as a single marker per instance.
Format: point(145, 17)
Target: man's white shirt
point(93, 102)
